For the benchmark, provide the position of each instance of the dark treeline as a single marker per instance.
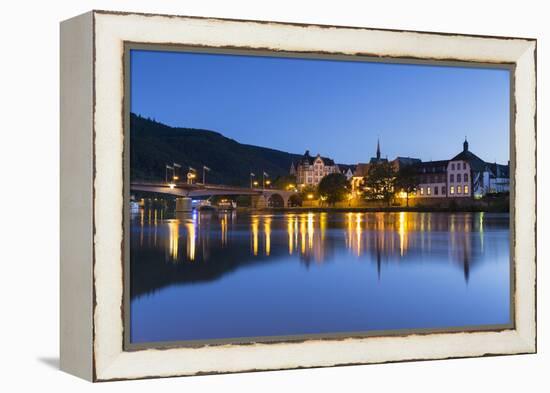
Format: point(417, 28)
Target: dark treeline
point(154, 145)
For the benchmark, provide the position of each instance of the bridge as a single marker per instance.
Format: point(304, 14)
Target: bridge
point(261, 197)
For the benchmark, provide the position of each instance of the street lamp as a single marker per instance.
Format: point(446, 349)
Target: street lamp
point(204, 170)
point(191, 175)
point(175, 174)
point(168, 167)
point(252, 183)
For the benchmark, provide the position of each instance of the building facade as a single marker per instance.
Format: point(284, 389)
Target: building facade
point(463, 176)
point(347, 170)
point(362, 171)
point(310, 170)
point(432, 179)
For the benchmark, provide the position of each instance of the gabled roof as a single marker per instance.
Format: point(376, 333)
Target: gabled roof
point(432, 166)
point(328, 161)
point(307, 158)
point(407, 160)
point(498, 170)
point(475, 162)
point(361, 169)
point(345, 167)
point(375, 160)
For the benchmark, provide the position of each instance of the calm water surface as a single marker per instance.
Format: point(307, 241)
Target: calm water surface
point(230, 275)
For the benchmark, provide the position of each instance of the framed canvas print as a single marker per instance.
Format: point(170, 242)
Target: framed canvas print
point(245, 195)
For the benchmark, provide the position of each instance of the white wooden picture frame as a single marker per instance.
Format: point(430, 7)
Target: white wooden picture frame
point(92, 194)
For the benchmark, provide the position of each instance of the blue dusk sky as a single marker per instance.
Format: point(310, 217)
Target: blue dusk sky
point(335, 108)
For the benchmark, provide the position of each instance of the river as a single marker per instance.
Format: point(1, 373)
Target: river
point(206, 276)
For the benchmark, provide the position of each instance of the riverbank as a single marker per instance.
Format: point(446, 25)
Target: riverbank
point(389, 209)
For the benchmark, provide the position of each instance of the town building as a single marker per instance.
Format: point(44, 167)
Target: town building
point(432, 179)
point(310, 170)
point(347, 170)
point(499, 179)
point(401, 162)
point(362, 170)
point(463, 176)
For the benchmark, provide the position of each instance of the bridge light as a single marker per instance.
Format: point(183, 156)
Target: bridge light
point(176, 177)
point(172, 186)
point(255, 183)
point(268, 182)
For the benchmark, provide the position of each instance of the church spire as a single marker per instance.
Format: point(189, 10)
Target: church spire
point(465, 145)
point(378, 150)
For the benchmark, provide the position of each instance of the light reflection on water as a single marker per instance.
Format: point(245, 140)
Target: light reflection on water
point(375, 271)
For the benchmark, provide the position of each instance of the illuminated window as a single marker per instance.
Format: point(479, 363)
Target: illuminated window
point(429, 191)
point(421, 190)
point(458, 178)
point(452, 189)
point(452, 178)
point(466, 190)
point(458, 190)
point(465, 177)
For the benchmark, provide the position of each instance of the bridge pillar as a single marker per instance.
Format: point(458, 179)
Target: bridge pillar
point(184, 204)
point(258, 201)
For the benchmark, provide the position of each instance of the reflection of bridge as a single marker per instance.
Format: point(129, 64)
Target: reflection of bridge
point(260, 197)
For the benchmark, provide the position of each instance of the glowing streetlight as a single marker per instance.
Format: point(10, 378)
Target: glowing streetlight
point(175, 174)
point(252, 176)
point(191, 175)
point(204, 170)
point(309, 196)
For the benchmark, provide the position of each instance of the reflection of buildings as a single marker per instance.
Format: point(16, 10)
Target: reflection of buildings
point(426, 237)
point(201, 247)
point(305, 235)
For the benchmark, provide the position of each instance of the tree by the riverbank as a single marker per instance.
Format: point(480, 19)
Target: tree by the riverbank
point(379, 183)
point(334, 188)
point(406, 181)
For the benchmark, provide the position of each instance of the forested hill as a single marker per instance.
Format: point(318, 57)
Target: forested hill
point(153, 145)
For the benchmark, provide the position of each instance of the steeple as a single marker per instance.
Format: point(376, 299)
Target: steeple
point(378, 150)
point(465, 144)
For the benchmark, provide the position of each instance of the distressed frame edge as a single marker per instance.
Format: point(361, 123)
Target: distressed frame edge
point(525, 339)
point(76, 196)
point(305, 24)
